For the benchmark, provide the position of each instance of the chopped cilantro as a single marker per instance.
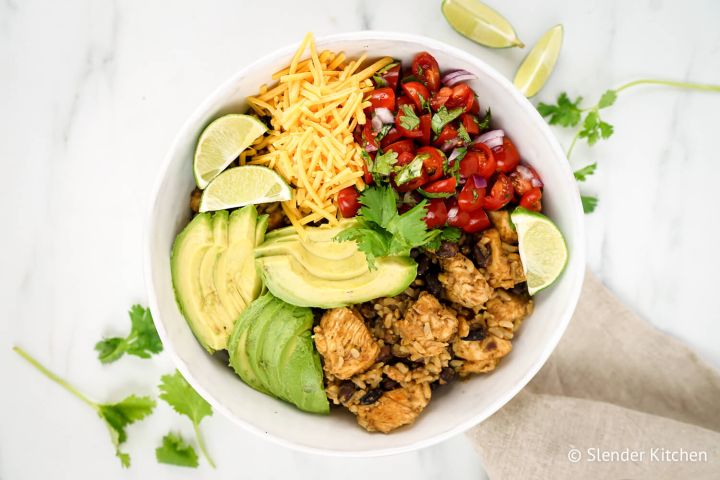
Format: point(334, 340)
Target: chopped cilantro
point(442, 117)
point(407, 118)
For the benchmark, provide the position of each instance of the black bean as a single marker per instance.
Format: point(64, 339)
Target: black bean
point(480, 256)
point(372, 396)
point(477, 333)
point(434, 385)
point(388, 384)
point(520, 289)
point(433, 285)
point(345, 391)
point(447, 375)
point(385, 354)
point(424, 265)
point(447, 250)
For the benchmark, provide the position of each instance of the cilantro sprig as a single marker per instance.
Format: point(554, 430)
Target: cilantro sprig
point(142, 341)
point(178, 393)
point(116, 416)
point(444, 116)
point(381, 231)
point(589, 125)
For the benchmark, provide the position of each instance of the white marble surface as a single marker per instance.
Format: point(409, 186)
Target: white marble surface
point(92, 92)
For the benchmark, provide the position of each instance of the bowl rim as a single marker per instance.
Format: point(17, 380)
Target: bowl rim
point(365, 35)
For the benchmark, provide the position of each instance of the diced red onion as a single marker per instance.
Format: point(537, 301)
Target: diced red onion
point(450, 144)
point(376, 123)
point(527, 174)
point(493, 138)
point(455, 153)
point(479, 181)
point(409, 199)
point(457, 76)
point(385, 115)
point(370, 148)
point(536, 182)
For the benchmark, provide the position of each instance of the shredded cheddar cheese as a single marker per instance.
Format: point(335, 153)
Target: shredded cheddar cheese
point(314, 109)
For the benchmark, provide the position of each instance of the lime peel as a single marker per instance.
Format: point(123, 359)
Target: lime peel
point(538, 65)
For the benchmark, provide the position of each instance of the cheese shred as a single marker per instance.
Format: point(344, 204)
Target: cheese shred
point(314, 108)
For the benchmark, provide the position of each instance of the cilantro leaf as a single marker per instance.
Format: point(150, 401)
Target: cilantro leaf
point(463, 134)
point(116, 416)
point(565, 113)
point(119, 415)
point(411, 171)
point(178, 393)
point(449, 234)
point(594, 128)
point(442, 117)
point(607, 99)
point(175, 451)
point(379, 205)
point(408, 120)
point(407, 230)
point(424, 104)
point(484, 124)
point(142, 341)
point(382, 165)
point(373, 242)
point(379, 81)
point(383, 132)
point(588, 203)
point(582, 174)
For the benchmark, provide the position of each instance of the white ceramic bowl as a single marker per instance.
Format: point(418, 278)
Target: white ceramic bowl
point(453, 409)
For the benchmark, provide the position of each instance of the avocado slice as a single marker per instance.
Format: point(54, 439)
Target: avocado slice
point(351, 266)
point(313, 234)
point(237, 345)
point(287, 279)
point(256, 337)
point(187, 260)
point(242, 234)
point(260, 228)
point(303, 377)
point(286, 323)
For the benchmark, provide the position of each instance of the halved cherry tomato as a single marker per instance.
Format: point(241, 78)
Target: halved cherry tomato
point(461, 96)
point(469, 164)
point(367, 176)
point(436, 213)
point(417, 92)
point(446, 134)
point(486, 160)
point(469, 123)
point(348, 200)
point(392, 75)
point(446, 185)
point(477, 221)
point(506, 156)
point(456, 217)
point(471, 197)
point(401, 147)
point(500, 194)
point(531, 200)
point(523, 183)
point(426, 67)
point(439, 98)
point(368, 137)
point(382, 98)
point(404, 100)
point(473, 106)
point(404, 158)
point(426, 127)
point(412, 184)
point(392, 136)
point(433, 165)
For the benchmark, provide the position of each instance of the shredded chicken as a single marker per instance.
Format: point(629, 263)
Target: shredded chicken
point(463, 283)
point(501, 221)
point(394, 409)
point(427, 326)
point(503, 268)
point(507, 310)
point(345, 343)
point(481, 355)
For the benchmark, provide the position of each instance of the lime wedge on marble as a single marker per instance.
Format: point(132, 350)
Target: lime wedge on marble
point(240, 186)
point(222, 142)
point(480, 23)
point(543, 251)
point(537, 66)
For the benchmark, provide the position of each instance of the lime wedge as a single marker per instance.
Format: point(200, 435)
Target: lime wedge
point(480, 23)
point(221, 142)
point(537, 66)
point(239, 186)
point(542, 248)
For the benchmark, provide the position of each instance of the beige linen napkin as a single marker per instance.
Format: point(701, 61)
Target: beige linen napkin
point(618, 399)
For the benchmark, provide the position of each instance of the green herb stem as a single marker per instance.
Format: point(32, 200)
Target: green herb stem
point(52, 376)
point(669, 83)
point(572, 144)
point(201, 444)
